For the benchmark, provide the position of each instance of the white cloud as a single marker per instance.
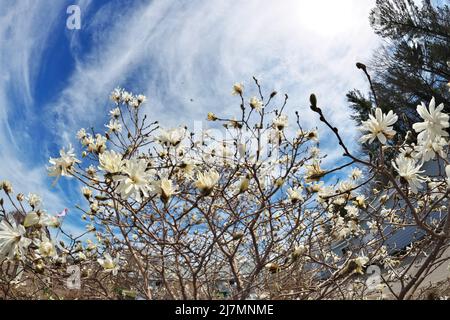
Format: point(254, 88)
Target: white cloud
point(24, 30)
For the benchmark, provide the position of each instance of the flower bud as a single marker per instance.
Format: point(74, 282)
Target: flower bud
point(87, 193)
point(6, 186)
point(272, 267)
point(298, 251)
point(361, 66)
point(211, 116)
point(238, 235)
point(279, 182)
point(313, 101)
point(238, 89)
point(244, 185)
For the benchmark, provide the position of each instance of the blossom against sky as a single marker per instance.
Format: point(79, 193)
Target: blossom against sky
point(183, 55)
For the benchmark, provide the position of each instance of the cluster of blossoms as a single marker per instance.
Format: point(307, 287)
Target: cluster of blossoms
point(31, 259)
point(239, 207)
point(248, 211)
point(25, 240)
point(431, 141)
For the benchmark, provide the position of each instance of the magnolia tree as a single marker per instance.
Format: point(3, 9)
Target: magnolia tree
point(244, 211)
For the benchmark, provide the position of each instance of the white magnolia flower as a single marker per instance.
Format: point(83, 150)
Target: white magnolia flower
point(409, 170)
point(299, 251)
point(273, 267)
point(91, 171)
point(87, 192)
point(312, 135)
point(410, 151)
point(356, 174)
point(171, 137)
point(318, 187)
point(428, 149)
point(114, 126)
point(46, 248)
point(164, 188)
point(126, 96)
point(6, 186)
point(187, 169)
point(63, 165)
point(81, 134)
point(34, 200)
point(360, 201)
point(115, 113)
point(211, 116)
point(360, 262)
point(314, 172)
point(256, 104)
point(346, 186)
point(41, 219)
point(100, 143)
point(109, 264)
point(110, 161)
point(238, 89)
point(51, 221)
point(116, 95)
point(94, 206)
point(339, 201)
point(295, 194)
point(141, 98)
point(135, 103)
point(343, 231)
point(373, 226)
point(12, 240)
point(135, 179)
point(280, 122)
point(352, 211)
point(435, 121)
point(89, 141)
point(207, 180)
point(379, 126)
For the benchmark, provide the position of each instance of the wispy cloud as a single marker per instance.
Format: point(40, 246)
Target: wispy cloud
point(25, 28)
point(178, 51)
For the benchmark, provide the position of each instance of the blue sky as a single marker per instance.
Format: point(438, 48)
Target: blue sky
point(183, 55)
